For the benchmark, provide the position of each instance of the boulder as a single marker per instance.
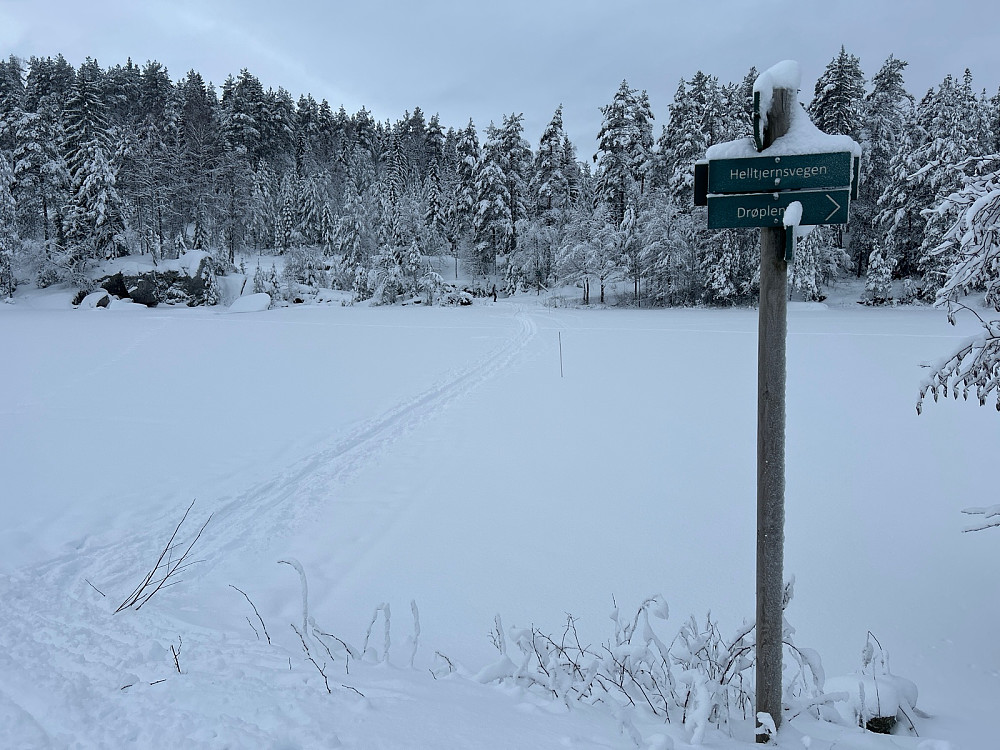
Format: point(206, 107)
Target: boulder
point(171, 285)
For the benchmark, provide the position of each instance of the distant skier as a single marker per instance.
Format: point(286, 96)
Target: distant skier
point(494, 292)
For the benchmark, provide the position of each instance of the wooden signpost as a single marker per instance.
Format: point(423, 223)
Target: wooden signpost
point(771, 334)
point(755, 192)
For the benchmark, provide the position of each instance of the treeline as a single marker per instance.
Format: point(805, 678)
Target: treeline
point(100, 163)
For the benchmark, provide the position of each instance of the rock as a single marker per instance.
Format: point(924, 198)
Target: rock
point(170, 285)
point(96, 299)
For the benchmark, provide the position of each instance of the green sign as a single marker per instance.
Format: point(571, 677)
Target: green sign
point(772, 173)
point(768, 209)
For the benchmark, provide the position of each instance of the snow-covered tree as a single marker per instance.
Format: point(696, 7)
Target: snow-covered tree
point(550, 185)
point(837, 107)
point(625, 146)
point(93, 224)
point(8, 234)
point(887, 111)
point(953, 126)
point(878, 280)
point(973, 242)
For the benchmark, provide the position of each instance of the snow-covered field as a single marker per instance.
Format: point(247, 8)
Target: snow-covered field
point(437, 456)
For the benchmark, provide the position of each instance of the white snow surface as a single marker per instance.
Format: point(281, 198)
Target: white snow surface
point(436, 456)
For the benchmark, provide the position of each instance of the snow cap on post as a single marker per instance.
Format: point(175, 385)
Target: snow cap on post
point(802, 138)
point(783, 75)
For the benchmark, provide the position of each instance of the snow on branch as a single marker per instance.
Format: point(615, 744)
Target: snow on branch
point(974, 243)
point(976, 365)
point(975, 236)
point(990, 514)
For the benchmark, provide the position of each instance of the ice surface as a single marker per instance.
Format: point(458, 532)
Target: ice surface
point(437, 455)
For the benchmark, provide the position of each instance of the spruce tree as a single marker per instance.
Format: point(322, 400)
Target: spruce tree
point(468, 158)
point(953, 130)
point(8, 235)
point(93, 225)
point(549, 184)
point(837, 107)
point(617, 152)
point(888, 109)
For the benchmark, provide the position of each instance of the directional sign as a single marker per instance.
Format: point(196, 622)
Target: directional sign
point(767, 174)
point(768, 209)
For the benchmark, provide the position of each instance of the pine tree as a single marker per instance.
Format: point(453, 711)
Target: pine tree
point(694, 124)
point(954, 130)
point(888, 110)
point(242, 116)
point(899, 220)
point(878, 282)
point(353, 238)
point(837, 107)
point(549, 184)
point(501, 192)
point(491, 217)
point(93, 225)
point(11, 102)
point(615, 144)
point(434, 141)
point(468, 157)
point(8, 235)
point(625, 146)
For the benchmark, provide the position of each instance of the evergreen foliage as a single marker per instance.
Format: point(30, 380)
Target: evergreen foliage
point(101, 162)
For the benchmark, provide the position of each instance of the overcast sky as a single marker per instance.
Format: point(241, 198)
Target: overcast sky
point(463, 58)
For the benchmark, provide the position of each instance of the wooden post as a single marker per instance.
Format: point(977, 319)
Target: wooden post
point(772, 332)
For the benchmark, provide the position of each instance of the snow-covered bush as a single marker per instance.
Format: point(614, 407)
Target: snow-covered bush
point(701, 679)
point(873, 697)
point(266, 281)
point(305, 265)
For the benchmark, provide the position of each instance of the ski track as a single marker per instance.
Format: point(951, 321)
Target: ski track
point(73, 672)
point(281, 504)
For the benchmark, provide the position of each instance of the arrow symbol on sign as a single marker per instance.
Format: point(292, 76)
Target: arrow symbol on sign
point(835, 210)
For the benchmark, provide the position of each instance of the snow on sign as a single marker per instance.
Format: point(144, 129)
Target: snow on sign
point(768, 209)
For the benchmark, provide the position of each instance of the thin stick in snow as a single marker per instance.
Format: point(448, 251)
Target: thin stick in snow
point(255, 612)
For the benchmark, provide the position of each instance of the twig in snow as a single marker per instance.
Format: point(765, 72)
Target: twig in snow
point(256, 613)
point(95, 588)
point(177, 653)
point(142, 593)
point(309, 656)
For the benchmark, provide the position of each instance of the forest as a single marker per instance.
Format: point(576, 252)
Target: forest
point(102, 163)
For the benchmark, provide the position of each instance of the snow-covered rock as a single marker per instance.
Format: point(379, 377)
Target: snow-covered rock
point(100, 298)
point(251, 303)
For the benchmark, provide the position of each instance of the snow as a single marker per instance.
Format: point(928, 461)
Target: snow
point(251, 303)
point(783, 75)
point(435, 456)
point(793, 214)
point(803, 137)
